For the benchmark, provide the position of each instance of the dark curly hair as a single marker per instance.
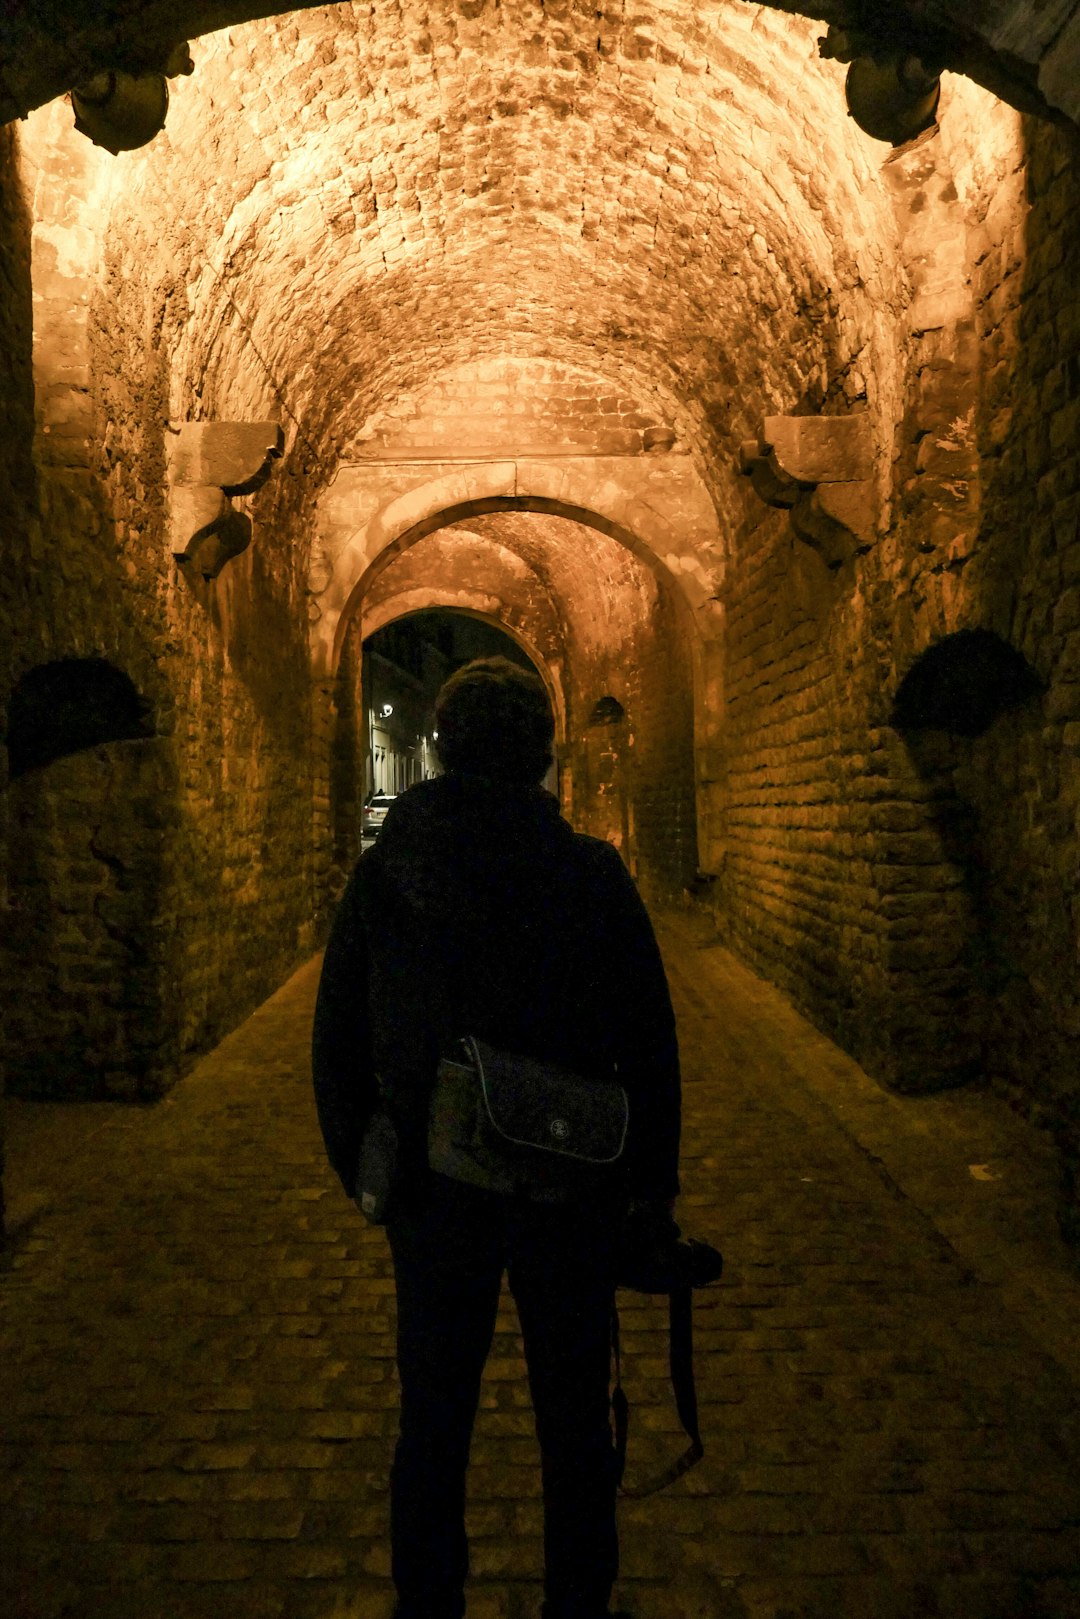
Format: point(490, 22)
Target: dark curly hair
point(494, 720)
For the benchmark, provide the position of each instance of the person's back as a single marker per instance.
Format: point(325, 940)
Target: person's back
point(488, 914)
point(480, 912)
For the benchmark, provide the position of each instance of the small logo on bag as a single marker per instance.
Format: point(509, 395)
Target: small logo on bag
point(560, 1129)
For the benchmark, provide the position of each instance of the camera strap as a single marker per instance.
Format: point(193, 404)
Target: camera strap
point(681, 1368)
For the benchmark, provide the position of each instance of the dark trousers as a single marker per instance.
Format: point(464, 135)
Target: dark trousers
point(451, 1244)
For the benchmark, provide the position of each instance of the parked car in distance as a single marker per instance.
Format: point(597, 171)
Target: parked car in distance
point(374, 814)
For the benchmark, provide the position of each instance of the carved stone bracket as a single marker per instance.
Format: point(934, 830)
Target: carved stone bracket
point(210, 463)
point(820, 468)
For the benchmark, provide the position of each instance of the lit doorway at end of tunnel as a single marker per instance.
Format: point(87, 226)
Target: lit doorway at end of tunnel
point(402, 668)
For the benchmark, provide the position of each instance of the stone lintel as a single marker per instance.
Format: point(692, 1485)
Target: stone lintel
point(236, 457)
point(820, 468)
point(820, 449)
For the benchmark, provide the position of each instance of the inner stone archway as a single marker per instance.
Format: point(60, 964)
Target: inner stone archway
point(603, 627)
point(406, 660)
point(396, 652)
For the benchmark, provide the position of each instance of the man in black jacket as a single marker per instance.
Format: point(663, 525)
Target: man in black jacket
point(480, 912)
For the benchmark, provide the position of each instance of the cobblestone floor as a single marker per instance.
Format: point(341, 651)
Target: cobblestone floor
point(198, 1388)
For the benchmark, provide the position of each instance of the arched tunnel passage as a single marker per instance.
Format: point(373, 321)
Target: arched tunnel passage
point(371, 246)
point(601, 625)
point(576, 257)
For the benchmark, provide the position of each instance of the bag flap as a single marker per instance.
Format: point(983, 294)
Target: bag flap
point(539, 1105)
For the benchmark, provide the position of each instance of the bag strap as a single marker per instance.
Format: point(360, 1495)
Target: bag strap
point(620, 1405)
point(681, 1367)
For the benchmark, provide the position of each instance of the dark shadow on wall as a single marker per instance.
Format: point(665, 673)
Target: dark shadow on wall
point(1024, 580)
point(966, 710)
point(961, 684)
point(82, 949)
point(68, 705)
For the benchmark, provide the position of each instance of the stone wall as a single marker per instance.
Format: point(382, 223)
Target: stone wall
point(95, 1009)
point(633, 777)
point(835, 881)
point(916, 889)
point(1020, 781)
point(192, 874)
point(986, 973)
point(511, 407)
point(796, 897)
point(16, 472)
point(230, 668)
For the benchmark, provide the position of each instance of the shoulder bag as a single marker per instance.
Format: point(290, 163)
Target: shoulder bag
point(511, 1124)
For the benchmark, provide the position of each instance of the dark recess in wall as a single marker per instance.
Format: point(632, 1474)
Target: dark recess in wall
point(61, 708)
point(608, 711)
point(962, 683)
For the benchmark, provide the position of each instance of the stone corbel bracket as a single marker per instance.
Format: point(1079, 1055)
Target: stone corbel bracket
point(209, 464)
point(820, 468)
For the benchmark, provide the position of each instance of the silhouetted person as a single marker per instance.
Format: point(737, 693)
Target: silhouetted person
point(480, 912)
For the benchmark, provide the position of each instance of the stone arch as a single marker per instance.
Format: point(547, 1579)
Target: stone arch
point(500, 596)
point(636, 787)
point(658, 508)
point(474, 605)
point(349, 776)
point(500, 587)
point(655, 507)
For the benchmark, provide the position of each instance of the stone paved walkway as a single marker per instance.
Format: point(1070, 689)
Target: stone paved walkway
point(198, 1388)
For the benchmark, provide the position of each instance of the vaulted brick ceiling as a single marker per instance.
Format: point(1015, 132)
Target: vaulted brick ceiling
point(347, 199)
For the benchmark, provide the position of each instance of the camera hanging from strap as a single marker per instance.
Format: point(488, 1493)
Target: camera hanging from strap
point(664, 1263)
